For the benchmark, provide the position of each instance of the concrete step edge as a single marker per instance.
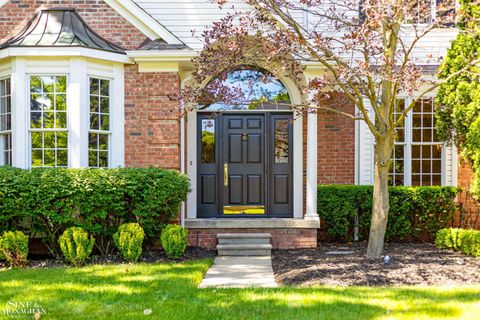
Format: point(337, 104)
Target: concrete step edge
point(243, 235)
point(240, 246)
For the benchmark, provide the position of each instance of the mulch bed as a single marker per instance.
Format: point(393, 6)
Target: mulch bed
point(410, 264)
point(147, 257)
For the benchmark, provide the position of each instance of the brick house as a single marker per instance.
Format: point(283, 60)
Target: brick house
point(86, 83)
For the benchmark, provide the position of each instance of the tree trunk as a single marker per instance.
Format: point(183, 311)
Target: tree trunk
point(381, 204)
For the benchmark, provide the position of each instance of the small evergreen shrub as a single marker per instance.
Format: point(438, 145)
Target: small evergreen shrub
point(174, 240)
point(76, 245)
point(129, 241)
point(14, 248)
point(466, 241)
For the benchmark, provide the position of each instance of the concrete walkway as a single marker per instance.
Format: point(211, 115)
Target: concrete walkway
point(240, 272)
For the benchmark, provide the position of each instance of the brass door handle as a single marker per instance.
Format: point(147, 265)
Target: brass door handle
point(225, 174)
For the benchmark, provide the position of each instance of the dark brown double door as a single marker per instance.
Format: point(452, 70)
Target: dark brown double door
point(245, 165)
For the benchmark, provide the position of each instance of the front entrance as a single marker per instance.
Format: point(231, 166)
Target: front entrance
point(245, 164)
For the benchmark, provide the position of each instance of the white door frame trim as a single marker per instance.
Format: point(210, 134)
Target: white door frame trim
point(191, 166)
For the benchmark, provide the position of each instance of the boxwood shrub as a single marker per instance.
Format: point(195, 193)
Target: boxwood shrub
point(466, 241)
point(416, 213)
point(45, 202)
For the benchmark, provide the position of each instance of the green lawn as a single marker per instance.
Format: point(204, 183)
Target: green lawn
point(170, 291)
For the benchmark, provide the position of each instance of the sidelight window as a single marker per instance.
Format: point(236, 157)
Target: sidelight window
point(281, 140)
point(208, 141)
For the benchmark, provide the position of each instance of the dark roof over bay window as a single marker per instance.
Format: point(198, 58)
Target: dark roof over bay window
point(60, 27)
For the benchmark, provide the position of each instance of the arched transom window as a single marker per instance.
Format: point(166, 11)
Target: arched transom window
point(246, 89)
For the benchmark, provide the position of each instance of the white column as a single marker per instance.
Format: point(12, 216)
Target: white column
point(311, 201)
point(191, 119)
point(77, 108)
point(20, 116)
point(117, 115)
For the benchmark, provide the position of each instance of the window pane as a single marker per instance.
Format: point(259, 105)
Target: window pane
point(61, 102)
point(104, 105)
point(94, 107)
point(37, 140)
point(94, 86)
point(62, 158)
point(61, 84)
point(399, 108)
point(35, 85)
point(208, 141)
point(61, 122)
point(281, 140)
point(105, 122)
point(396, 176)
point(105, 87)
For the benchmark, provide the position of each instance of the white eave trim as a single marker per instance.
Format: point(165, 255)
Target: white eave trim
point(162, 56)
point(53, 52)
point(142, 21)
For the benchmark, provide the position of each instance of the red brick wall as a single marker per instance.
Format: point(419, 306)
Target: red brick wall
point(152, 126)
point(96, 13)
point(281, 238)
point(469, 217)
point(336, 142)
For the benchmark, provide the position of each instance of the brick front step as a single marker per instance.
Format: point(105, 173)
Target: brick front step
point(282, 238)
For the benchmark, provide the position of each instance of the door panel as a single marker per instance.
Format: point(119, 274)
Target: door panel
point(208, 189)
point(254, 189)
point(235, 149)
point(254, 148)
point(280, 188)
point(235, 189)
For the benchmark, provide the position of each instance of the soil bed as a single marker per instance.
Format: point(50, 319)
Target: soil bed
point(410, 264)
point(147, 257)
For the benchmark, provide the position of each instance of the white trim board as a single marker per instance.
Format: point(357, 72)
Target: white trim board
point(142, 21)
point(56, 52)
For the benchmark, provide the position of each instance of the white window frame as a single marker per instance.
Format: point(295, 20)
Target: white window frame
point(78, 71)
point(408, 143)
point(109, 132)
point(7, 132)
point(433, 13)
point(28, 110)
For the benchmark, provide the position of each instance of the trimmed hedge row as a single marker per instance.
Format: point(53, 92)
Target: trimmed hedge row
point(416, 213)
point(466, 241)
point(45, 202)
